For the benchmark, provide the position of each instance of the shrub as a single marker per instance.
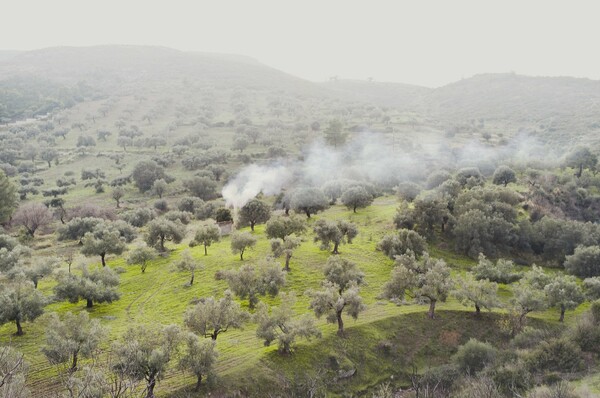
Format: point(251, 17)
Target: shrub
point(138, 217)
point(408, 191)
point(473, 356)
point(531, 338)
point(585, 262)
point(586, 332)
point(182, 216)
point(161, 205)
point(560, 355)
point(512, 378)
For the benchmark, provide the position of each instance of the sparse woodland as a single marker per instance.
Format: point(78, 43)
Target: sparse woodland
point(229, 230)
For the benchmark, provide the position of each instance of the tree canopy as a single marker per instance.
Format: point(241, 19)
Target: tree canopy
point(254, 212)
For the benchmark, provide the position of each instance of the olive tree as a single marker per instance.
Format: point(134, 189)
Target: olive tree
point(402, 242)
point(480, 293)
point(141, 255)
point(199, 358)
point(96, 286)
point(104, 239)
point(77, 227)
point(187, 263)
point(13, 370)
point(334, 233)
point(254, 212)
point(20, 302)
point(356, 197)
point(201, 187)
point(12, 253)
point(37, 270)
point(340, 292)
point(504, 271)
point(160, 230)
point(285, 246)
point(206, 235)
point(117, 194)
point(342, 272)
point(211, 317)
point(527, 298)
point(580, 158)
point(145, 173)
point(279, 325)
point(429, 212)
point(425, 279)
point(564, 292)
point(282, 226)
point(335, 134)
point(72, 337)
point(159, 187)
point(329, 302)
point(250, 281)
point(308, 201)
point(241, 241)
point(145, 353)
point(504, 175)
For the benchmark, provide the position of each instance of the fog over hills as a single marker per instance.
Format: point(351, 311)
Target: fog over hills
point(113, 65)
point(549, 103)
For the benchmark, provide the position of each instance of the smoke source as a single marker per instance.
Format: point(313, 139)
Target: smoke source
point(255, 179)
point(368, 157)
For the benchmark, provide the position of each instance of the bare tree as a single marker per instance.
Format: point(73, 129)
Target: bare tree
point(32, 216)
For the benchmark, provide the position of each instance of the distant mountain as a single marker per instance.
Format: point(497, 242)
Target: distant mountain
point(515, 97)
point(112, 66)
point(550, 103)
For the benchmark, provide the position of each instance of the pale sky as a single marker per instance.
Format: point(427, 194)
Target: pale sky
point(423, 42)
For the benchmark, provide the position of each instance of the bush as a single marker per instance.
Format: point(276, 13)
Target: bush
point(161, 205)
point(474, 356)
point(408, 191)
point(138, 217)
point(182, 216)
point(512, 378)
point(478, 387)
point(442, 378)
point(586, 332)
point(190, 204)
point(437, 178)
point(560, 355)
point(208, 210)
point(223, 214)
point(585, 262)
point(557, 390)
point(531, 338)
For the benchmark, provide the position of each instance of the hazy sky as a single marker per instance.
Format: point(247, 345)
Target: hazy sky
point(421, 42)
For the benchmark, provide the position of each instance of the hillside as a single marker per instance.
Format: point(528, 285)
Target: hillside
point(559, 109)
point(109, 67)
point(395, 95)
point(120, 191)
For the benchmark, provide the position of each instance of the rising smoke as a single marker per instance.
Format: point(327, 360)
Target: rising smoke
point(369, 158)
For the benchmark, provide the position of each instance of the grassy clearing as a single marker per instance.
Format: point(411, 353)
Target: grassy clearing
point(161, 295)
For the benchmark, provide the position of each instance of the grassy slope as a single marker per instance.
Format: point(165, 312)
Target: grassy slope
point(161, 296)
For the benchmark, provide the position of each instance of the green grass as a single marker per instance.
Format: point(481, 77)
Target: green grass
point(161, 296)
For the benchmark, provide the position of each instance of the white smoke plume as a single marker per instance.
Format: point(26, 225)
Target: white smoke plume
point(255, 179)
point(368, 157)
